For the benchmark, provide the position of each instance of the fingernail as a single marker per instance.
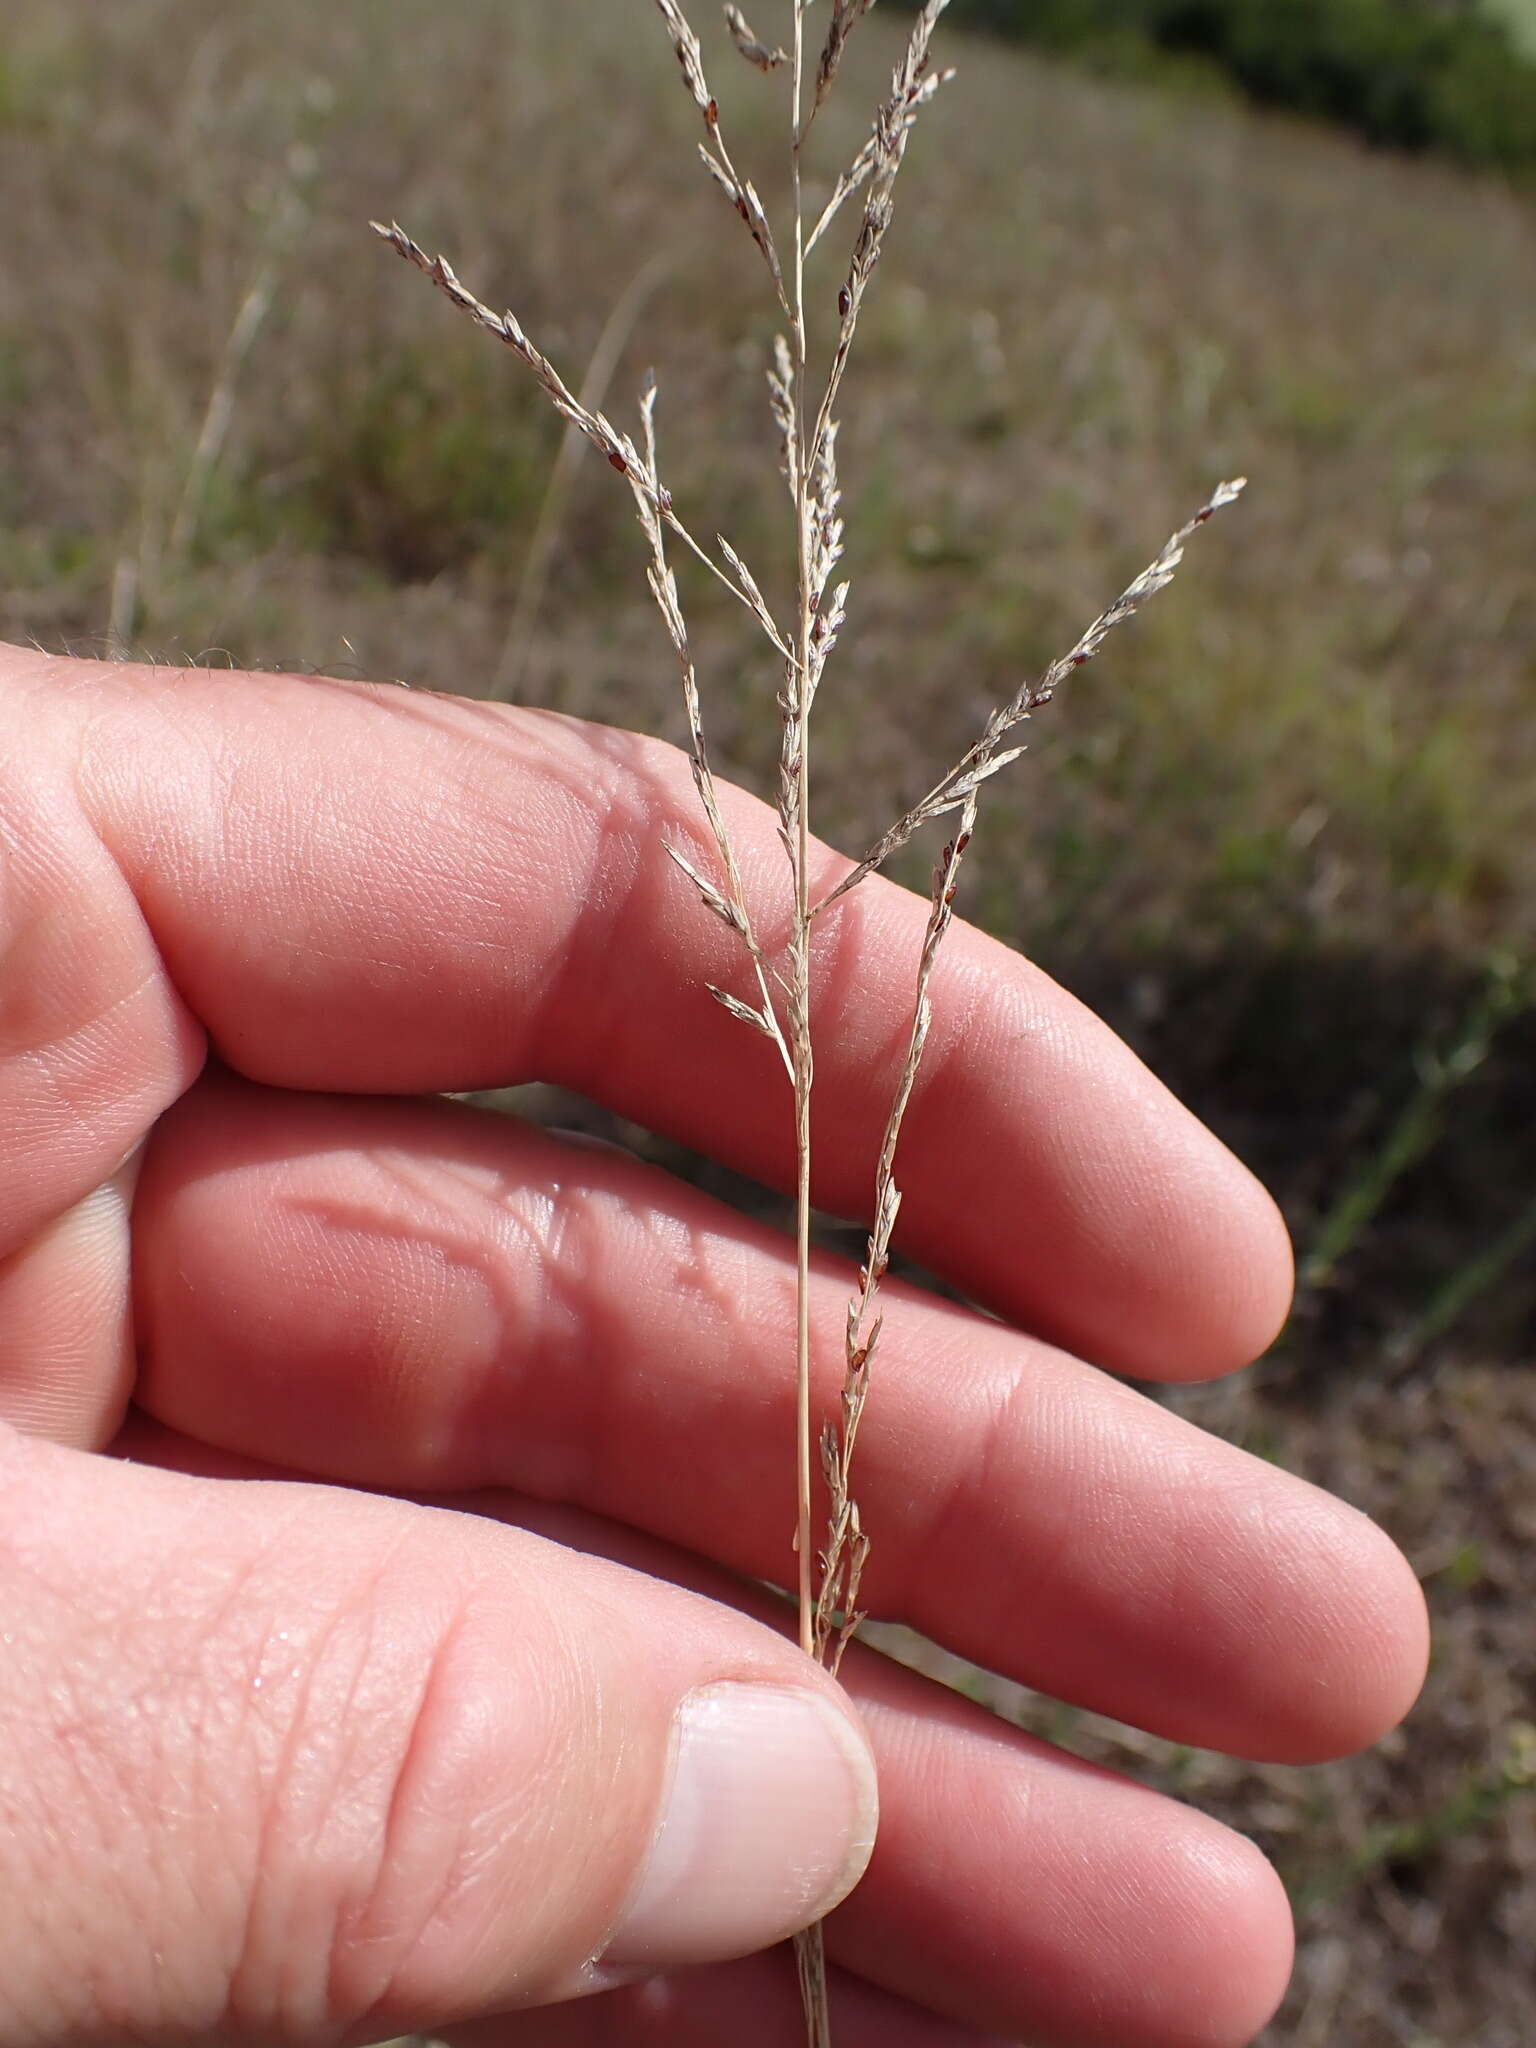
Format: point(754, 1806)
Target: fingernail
point(766, 1823)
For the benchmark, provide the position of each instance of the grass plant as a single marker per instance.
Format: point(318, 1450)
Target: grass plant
point(806, 378)
point(1507, 992)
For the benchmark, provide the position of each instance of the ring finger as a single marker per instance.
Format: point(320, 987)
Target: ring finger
point(416, 1295)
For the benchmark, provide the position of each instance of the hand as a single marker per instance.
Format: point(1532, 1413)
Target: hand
point(384, 1743)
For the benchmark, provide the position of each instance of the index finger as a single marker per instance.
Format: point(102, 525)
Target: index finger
point(376, 890)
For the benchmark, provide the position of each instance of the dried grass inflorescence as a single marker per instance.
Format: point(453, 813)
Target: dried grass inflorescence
point(803, 411)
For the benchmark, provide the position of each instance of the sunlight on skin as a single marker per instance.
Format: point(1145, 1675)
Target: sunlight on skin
point(345, 893)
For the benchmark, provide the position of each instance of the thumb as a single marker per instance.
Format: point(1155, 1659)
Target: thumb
point(282, 1761)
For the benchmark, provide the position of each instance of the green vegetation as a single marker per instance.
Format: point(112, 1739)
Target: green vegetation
point(423, 460)
point(1410, 74)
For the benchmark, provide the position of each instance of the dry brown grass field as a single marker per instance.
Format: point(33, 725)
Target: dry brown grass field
point(1284, 834)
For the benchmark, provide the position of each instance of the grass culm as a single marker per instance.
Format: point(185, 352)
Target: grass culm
point(806, 377)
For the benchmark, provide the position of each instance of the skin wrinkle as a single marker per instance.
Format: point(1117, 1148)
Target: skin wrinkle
point(74, 1049)
point(103, 767)
point(571, 1731)
point(1119, 1205)
point(226, 1724)
point(552, 994)
point(309, 1781)
point(335, 938)
point(622, 1810)
point(713, 1285)
point(101, 950)
point(99, 1730)
point(214, 789)
point(587, 1454)
point(302, 1804)
point(651, 897)
point(233, 1705)
point(351, 1942)
point(1217, 1585)
point(102, 1807)
point(961, 1042)
point(570, 1737)
point(197, 1883)
point(28, 911)
point(1115, 1471)
point(64, 1300)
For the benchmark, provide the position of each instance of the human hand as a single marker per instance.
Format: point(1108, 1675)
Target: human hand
point(317, 1760)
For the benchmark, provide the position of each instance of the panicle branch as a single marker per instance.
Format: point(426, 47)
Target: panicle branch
point(986, 755)
point(653, 506)
point(888, 146)
point(730, 903)
point(742, 194)
point(717, 158)
point(846, 16)
point(837, 1603)
point(690, 57)
point(620, 450)
point(853, 179)
point(599, 430)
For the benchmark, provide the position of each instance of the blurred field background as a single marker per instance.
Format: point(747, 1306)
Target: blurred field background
point(1283, 835)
